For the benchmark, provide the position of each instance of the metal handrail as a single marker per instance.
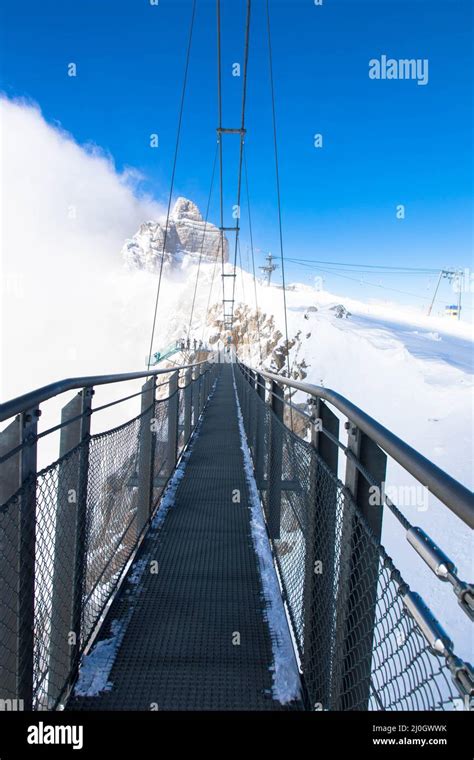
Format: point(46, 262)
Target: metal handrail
point(38, 396)
point(458, 498)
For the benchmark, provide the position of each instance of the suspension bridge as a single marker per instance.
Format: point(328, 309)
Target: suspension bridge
point(214, 545)
point(133, 568)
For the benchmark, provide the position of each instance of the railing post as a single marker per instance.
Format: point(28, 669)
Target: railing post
point(80, 549)
point(251, 412)
point(239, 374)
point(195, 396)
point(198, 393)
point(243, 385)
point(26, 611)
point(247, 408)
point(10, 481)
point(173, 411)
point(212, 374)
point(319, 584)
point(260, 430)
point(204, 385)
point(188, 402)
point(69, 545)
point(146, 455)
point(275, 460)
point(206, 382)
point(359, 575)
point(202, 389)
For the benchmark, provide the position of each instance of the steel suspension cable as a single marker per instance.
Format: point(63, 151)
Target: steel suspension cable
point(242, 136)
point(277, 176)
point(245, 333)
point(221, 178)
point(220, 133)
point(175, 159)
point(209, 297)
point(202, 242)
point(253, 256)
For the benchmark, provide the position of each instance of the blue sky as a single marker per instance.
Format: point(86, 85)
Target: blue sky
point(384, 142)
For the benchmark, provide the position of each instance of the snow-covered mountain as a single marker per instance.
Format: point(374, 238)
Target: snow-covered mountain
point(187, 234)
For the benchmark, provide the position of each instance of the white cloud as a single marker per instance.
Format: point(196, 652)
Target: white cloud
point(64, 215)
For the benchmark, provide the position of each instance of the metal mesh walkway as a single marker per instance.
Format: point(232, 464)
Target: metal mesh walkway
point(171, 638)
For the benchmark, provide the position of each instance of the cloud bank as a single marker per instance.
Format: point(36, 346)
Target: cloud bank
point(64, 215)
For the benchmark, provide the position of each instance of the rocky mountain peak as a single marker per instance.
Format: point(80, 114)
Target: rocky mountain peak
point(187, 235)
point(186, 209)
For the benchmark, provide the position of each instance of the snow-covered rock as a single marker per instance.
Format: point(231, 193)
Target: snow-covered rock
point(187, 234)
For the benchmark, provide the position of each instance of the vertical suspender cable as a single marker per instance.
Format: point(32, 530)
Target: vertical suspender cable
point(277, 173)
point(245, 329)
point(220, 130)
point(219, 121)
point(181, 108)
point(202, 242)
point(253, 257)
point(209, 296)
point(242, 137)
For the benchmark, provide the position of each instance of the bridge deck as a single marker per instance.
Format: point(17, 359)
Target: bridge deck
point(168, 640)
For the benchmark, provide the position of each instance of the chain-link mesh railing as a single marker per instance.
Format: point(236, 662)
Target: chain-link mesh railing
point(161, 466)
point(358, 647)
point(111, 530)
point(68, 533)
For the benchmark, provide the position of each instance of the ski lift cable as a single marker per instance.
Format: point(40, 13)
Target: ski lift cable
point(357, 271)
point(175, 159)
point(396, 269)
point(336, 271)
point(374, 284)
